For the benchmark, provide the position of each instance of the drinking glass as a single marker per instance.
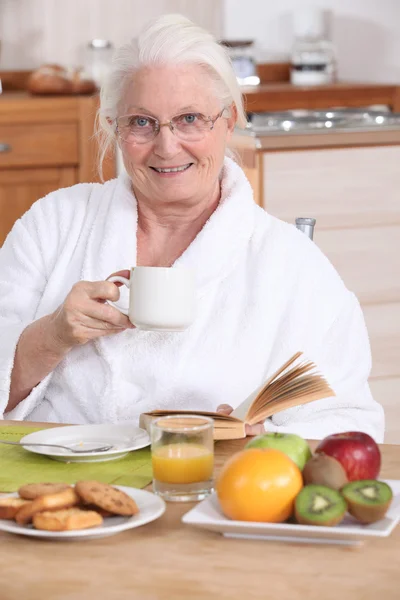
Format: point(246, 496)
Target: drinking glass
point(182, 452)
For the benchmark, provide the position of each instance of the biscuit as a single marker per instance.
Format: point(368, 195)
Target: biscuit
point(9, 507)
point(31, 491)
point(64, 499)
point(67, 520)
point(106, 497)
point(104, 513)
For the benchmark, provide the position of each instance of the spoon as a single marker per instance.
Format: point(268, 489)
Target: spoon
point(74, 450)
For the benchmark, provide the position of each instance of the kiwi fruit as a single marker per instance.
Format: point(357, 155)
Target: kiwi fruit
point(319, 505)
point(368, 499)
point(322, 469)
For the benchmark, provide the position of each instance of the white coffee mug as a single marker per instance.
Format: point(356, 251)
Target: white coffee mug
point(160, 298)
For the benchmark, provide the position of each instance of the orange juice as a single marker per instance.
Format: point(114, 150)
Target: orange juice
point(182, 463)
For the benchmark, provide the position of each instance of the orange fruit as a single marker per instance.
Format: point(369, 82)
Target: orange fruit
point(258, 484)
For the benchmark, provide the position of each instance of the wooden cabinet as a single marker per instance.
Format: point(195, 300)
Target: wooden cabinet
point(19, 189)
point(353, 191)
point(45, 144)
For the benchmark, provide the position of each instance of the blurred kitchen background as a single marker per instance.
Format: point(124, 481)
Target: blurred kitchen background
point(366, 33)
point(322, 89)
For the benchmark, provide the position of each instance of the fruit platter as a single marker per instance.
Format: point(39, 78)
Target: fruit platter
point(276, 488)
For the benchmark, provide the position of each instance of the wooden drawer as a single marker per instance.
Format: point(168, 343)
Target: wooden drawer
point(383, 324)
point(368, 260)
point(20, 188)
point(387, 393)
point(351, 187)
point(38, 145)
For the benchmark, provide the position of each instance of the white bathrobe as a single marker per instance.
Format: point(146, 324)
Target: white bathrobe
point(264, 292)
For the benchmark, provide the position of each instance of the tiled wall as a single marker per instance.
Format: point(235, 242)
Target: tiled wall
point(33, 32)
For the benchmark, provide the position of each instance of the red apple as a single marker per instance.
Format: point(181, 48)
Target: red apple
point(357, 452)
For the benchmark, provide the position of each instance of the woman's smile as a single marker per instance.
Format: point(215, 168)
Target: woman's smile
point(173, 171)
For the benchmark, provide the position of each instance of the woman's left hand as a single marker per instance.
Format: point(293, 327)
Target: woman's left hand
point(256, 429)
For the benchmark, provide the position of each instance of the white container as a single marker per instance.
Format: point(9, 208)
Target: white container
point(313, 57)
point(98, 60)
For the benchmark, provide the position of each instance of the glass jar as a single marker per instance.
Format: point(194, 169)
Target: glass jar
point(98, 60)
point(242, 55)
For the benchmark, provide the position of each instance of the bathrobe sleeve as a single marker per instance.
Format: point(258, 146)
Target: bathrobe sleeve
point(343, 355)
point(22, 282)
point(27, 258)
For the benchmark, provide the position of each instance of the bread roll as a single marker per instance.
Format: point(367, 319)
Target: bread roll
point(55, 79)
point(49, 79)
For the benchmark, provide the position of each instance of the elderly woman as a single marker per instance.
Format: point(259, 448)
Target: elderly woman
point(264, 290)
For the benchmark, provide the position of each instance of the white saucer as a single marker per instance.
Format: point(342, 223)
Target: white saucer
point(123, 437)
point(208, 515)
point(151, 507)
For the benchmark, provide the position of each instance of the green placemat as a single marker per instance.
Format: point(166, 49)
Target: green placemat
point(18, 466)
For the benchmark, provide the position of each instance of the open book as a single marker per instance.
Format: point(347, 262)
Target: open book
point(296, 382)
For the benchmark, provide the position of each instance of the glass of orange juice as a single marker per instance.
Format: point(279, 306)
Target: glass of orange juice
point(182, 453)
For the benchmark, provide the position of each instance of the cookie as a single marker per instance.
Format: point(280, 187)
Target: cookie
point(106, 497)
point(9, 507)
point(31, 491)
point(67, 520)
point(64, 499)
point(104, 513)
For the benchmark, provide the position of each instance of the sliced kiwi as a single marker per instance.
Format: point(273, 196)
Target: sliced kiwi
point(319, 505)
point(322, 469)
point(368, 499)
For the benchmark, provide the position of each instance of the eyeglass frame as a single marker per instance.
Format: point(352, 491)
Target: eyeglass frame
point(208, 119)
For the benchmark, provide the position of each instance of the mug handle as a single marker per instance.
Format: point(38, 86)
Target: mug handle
point(127, 283)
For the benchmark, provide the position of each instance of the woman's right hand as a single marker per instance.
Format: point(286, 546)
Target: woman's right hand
point(85, 314)
point(257, 429)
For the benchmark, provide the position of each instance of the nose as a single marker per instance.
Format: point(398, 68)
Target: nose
point(166, 144)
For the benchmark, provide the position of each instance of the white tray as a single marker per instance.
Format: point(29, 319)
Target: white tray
point(208, 515)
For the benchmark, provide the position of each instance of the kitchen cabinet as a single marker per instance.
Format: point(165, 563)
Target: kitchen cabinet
point(349, 182)
point(46, 143)
point(20, 189)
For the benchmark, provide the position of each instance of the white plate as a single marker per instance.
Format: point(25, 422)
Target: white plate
point(123, 438)
point(151, 507)
point(208, 515)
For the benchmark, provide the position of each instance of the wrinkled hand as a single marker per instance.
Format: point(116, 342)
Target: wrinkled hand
point(256, 429)
point(85, 315)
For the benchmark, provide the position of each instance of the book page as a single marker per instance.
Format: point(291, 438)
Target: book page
point(241, 411)
point(244, 408)
point(215, 415)
point(225, 426)
point(289, 402)
point(277, 387)
point(292, 385)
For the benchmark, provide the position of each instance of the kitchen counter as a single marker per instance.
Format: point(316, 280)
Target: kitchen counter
point(312, 139)
point(284, 96)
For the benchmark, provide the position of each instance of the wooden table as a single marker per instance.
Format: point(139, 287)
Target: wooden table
point(166, 560)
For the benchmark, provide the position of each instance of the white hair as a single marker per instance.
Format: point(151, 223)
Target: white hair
point(167, 40)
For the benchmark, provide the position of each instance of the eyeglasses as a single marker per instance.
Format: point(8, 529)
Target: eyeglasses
point(190, 127)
